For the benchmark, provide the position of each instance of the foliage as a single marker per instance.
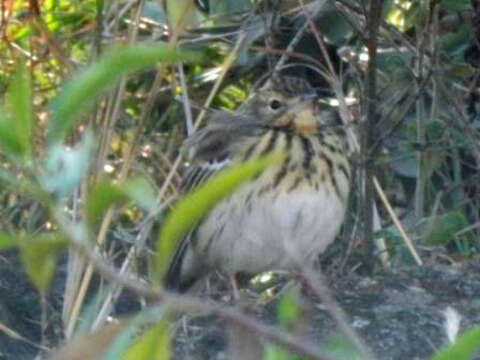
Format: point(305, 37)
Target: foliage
point(97, 97)
point(465, 348)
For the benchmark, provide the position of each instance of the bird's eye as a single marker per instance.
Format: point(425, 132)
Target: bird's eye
point(275, 104)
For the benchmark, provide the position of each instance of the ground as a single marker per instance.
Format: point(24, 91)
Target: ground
point(400, 315)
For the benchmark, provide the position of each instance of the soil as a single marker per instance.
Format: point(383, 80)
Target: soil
point(399, 315)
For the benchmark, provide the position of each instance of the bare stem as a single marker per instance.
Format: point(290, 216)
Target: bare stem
point(368, 136)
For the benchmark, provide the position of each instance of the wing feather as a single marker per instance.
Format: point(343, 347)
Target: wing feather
point(210, 151)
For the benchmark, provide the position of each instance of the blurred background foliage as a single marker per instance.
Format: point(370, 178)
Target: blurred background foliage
point(427, 147)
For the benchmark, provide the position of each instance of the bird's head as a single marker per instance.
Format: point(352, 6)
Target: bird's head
point(284, 102)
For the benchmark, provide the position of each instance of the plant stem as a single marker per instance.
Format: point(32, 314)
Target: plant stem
point(368, 137)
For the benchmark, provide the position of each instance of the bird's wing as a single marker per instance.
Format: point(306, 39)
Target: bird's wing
point(199, 173)
point(210, 151)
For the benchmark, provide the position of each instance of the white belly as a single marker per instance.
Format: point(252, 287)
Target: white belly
point(275, 232)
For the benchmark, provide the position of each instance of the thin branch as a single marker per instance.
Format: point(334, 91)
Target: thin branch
point(317, 283)
point(368, 136)
point(397, 223)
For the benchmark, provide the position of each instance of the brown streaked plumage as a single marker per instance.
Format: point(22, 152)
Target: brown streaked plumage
point(288, 214)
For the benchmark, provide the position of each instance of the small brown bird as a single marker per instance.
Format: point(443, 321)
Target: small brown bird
point(285, 217)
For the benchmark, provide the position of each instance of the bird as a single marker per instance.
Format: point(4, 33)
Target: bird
point(286, 216)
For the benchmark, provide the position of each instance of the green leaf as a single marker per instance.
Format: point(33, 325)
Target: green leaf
point(395, 62)
point(105, 194)
point(122, 341)
point(141, 191)
point(80, 92)
point(275, 352)
point(8, 141)
point(91, 346)
point(18, 184)
point(39, 256)
point(197, 204)
point(7, 241)
point(102, 196)
point(130, 334)
point(17, 118)
point(457, 5)
point(339, 347)
point(20, 99)
point(183, 10)
point(405, 165)
point(465, 348)
point(288, 308)
point(154, 344)
point(445, 226)
point(336, 29)
point(453, 45)
point(90, 311)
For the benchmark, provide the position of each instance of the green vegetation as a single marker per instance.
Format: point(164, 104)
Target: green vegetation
point(97, 98)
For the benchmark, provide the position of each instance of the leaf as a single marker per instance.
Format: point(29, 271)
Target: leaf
point(106, 194)
point(183, 10)
point(154, 344)
point(8, 141)
point(453, 45)
point(142, 344)
point(153, 11)
point(18, 184)
point(444, 227)
point(39, 255)
point(16, 120)
point(465, 348)
point(19, 97)
point(140, 190)
point(122, 341)
point(91, 346)
point(336, 29)
point(101, 197)
point(405, 165)
point(90, 311)
point(67, 167)
point(457, 5)
point(275, 352)
point(288, 307)
point(7, 241)
point(194, 206)
point(80, 92)
point(395, 62)
point(339, 347)
point(231, 8)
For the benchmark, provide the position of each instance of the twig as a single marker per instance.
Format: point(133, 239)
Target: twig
point(397, 223)
point(368, 136)
point(317, 283)
point(186, 101)
point(15, 335)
